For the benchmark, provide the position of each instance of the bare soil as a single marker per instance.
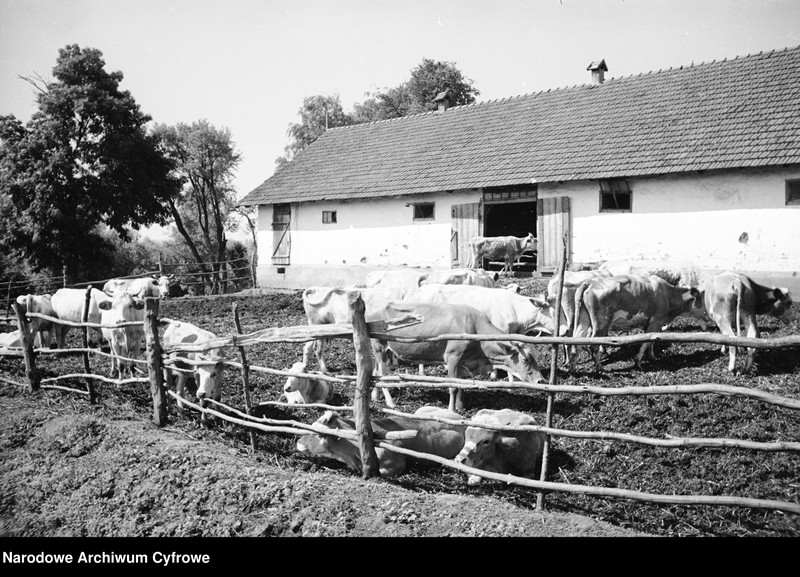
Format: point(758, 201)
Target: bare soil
point(68, 468)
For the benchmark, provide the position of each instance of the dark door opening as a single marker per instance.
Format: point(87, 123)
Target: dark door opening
point(511, 219)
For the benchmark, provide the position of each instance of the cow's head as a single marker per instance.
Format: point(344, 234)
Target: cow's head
point(783, 307)
point(120, 308)
point(295, 383)
point(524, 363)
point(343, 450)
point(479, 451)
point(209, 375)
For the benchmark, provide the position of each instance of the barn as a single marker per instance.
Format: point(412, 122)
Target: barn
point(696, 163)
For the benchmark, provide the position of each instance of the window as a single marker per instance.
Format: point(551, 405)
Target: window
point(615, 196)
point(423, 211)
point(328, 216)
point(793, 192)
point(514, 191)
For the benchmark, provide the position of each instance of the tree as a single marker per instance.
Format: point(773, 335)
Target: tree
point(84, 159)
point(317, 114)
point(205, 160)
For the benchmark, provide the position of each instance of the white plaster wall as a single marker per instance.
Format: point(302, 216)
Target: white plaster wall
point(699, 218)
point(378, 232)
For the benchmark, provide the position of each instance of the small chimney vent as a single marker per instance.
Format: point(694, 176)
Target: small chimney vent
point(443, 100)
point(598, 69)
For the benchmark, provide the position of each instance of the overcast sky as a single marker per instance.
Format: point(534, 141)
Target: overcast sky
point(248, 64)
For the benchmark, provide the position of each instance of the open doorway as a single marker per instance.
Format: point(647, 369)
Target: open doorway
point(511, 218)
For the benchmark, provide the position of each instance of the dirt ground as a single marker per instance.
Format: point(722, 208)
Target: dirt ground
point(71, 470)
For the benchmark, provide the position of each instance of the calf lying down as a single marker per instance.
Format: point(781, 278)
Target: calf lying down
point(432, 437)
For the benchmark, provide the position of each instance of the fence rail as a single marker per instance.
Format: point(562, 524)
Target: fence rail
point(361, 332)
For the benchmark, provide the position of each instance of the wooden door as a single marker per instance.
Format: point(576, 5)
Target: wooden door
point(281, 236)
point(552, 223)
point(465, 222)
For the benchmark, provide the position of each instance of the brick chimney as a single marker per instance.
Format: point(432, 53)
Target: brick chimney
point(598, 67)
point(443, 100)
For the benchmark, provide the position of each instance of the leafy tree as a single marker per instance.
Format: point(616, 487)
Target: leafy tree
point(416, 95)
point(84, 159)
point(205, 161)
point(317, 114)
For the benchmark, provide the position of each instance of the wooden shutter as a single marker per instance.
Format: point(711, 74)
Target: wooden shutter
point(281, 236)
point(465, 222)
point(552, 223)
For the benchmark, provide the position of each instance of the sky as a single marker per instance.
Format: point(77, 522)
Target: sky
point(247, 65)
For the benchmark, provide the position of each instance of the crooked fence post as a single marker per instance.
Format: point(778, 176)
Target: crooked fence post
point(26, 340)
point(85, 332)
point(154, 361)
point(553, 371)
point(361, 343)
point(245, 375)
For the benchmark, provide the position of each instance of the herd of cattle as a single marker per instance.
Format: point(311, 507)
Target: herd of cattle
point(459, 301)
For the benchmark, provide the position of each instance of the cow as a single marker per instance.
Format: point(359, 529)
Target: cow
point(433, 437)
point(733, 299)
point(40, 328)
point(463, 358)
point(400, 278)
point(303, 390)
point(208, 377)
point(10, 340)
point(125, 342)
point(507, 310)
point(68, 304)
point(509, 249)
point(506, 452)
point(142, 287)
point(327, 305)
point(628, 301)
point(470, 276)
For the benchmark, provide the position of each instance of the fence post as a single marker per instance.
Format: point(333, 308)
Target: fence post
point(553, 371)
point(253, 270)
point(245, 375)
point(364, 365)
point(85, 331)
point(64, 275)
point(160, 266)
point(26, 340)
point(154, 361)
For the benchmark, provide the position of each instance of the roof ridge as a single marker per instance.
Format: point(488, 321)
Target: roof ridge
point(574, 86)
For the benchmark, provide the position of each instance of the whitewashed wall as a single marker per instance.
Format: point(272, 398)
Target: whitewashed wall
point(377, 232)
point(698, 218)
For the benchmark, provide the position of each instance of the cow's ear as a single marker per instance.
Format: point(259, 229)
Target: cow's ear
point(105, 305)
point(777, 293)
point(505, 443)
point(138, 304)
point(539, 301)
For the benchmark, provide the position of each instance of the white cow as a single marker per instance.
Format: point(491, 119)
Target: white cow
point(328, 305)
point(142, 287)
point(41, 328)
point(303, 390)
point(68, 305)
point(10, 340)
point(208, 377)
point(507, 310)
point(125, 342)
point(471, 276)
point(509, 249)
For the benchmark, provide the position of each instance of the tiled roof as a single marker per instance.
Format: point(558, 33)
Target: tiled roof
point(735, 113)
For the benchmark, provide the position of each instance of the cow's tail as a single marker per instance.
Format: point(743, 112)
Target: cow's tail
point(737, 290)
point(325, 293)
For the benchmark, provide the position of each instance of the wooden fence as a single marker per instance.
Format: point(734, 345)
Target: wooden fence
point(361, 332)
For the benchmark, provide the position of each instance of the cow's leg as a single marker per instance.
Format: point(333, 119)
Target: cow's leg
point(380, 352)
point(752, 332)
point(456, 401)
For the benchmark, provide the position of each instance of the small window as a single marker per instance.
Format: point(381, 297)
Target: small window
point(615, 196)
point(328, 216)
point(423, 211)
point(793, 192)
